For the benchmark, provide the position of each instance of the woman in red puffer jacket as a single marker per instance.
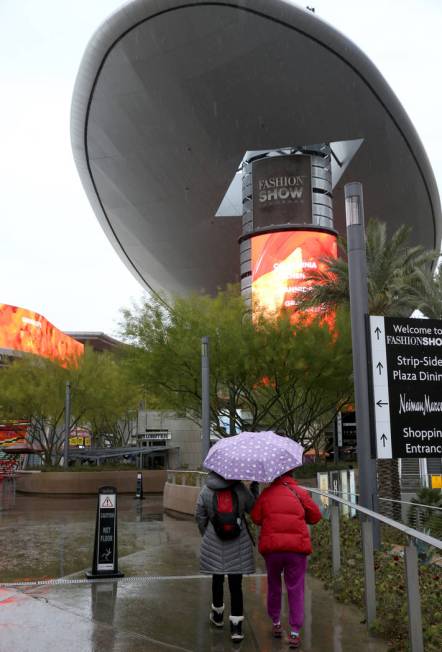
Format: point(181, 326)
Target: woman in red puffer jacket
point(283, 511)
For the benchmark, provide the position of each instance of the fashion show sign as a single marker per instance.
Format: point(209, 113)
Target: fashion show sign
point(406, 380)
point(282, 190)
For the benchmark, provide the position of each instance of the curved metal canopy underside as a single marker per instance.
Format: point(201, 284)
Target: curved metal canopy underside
point(169, 97)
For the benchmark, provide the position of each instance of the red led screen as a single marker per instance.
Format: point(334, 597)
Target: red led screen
point(13, 435)
point(280, 262)
point(27, 331)
point(14, 438)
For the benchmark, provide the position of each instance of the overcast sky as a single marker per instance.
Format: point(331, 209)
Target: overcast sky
point(56, 260)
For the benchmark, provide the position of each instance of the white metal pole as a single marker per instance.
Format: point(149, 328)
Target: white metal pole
point(205, 398)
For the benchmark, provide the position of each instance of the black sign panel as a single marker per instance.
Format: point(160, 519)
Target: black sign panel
point(106, 533)
point(407, 383)
point(105, 562)
point(282, 190)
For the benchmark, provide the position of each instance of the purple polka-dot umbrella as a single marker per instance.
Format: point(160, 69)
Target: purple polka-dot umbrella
point(260, 456)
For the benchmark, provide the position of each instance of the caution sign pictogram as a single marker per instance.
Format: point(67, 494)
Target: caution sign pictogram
point(106, 501)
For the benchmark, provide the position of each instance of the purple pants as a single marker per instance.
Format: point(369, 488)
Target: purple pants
point(293, 565)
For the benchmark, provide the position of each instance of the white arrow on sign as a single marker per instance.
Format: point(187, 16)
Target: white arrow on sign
point(383, 439)
point(380, 387)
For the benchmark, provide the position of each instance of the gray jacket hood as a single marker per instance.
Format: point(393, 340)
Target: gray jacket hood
point(217, 482)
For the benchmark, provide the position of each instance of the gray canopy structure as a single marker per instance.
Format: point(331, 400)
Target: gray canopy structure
point(171, 95)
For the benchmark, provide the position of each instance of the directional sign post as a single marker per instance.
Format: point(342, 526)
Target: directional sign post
point(406, 379)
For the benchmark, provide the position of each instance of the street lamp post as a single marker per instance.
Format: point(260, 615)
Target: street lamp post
point(357, 273)
point(205, 398)
point(67, 423)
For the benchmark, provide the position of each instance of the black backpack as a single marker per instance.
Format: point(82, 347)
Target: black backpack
point(226, 520)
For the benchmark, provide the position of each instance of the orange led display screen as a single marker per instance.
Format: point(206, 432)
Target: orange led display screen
point(27, 331)
point(13, 435)
point(280, 263)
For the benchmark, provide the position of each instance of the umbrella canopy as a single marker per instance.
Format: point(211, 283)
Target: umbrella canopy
point(260, 456)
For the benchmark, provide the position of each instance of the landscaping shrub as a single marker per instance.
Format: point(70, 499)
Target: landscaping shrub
point(429, 520)
point(310, 469)
point(348, 587)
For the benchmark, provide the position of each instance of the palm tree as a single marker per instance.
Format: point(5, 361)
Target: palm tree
point(400, 280)
point(399, 276)
point(430, 288)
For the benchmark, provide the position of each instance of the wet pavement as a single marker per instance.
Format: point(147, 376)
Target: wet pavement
point(48, 537)
point(165, 607)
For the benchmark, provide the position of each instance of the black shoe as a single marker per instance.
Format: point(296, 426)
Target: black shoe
point(216, 616)
point(236, 629)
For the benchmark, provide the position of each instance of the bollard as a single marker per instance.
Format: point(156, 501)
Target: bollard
point(139, 490)
point(336, 542)
point(413, 596)
point(369, 574)
point(105, 560)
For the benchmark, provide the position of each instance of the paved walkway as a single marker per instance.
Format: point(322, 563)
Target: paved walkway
point(164, 608)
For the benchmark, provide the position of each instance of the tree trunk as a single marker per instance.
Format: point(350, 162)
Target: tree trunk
point(232, 413)
point(389, 487)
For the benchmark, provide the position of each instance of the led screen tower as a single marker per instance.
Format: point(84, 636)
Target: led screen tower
point(287, 224)
point(171, 97)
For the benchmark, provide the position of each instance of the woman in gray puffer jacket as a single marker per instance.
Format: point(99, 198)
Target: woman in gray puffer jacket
point(219, 557)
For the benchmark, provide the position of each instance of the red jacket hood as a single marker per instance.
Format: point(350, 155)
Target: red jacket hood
point(287, 477)
point(283, 511)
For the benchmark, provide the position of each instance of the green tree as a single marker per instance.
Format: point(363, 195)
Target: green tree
point(33, 388)
point(265, 374)
point(104, 397)
point(400, 280)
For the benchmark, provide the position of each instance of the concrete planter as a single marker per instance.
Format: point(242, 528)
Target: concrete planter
point(88, 482)
point(180, 498)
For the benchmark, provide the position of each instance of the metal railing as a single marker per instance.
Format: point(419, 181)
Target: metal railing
point(417, 515)
point(413, 514)
point(410, 555)
point(197, 478)
point(411, 482)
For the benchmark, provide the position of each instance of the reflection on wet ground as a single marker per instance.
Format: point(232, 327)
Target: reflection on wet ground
point(48, 537)
point(53, 537)
point(164, 615)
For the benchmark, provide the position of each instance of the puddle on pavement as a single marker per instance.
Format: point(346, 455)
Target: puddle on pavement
point(45, 537)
